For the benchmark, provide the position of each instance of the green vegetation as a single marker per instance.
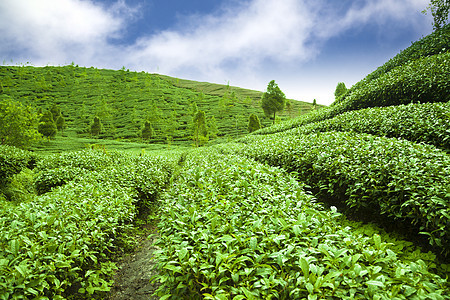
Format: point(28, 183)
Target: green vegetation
point(57, 245)
point(18, 124)
point(427, 123)
point(273, 100)
point(402, 182)
point(263, 217)
point(253, 123)
point(341, 89)
point(439, 10)
point(232, 228)
point(124, 101)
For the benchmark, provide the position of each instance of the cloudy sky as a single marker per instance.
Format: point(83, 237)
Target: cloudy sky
point(307, 46)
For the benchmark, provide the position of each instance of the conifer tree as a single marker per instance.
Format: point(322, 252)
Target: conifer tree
point(96, 126)
point(47, 126)
point(147, 132)
point(61, 123)
point(56, 112)
point(200, 132)
point(212, 127)
point(340, 90)
point(253, 123)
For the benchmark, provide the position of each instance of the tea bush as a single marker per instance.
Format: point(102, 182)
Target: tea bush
point(424, 122)
point(232, 228)
point(12, 161)
point(405, 181)
point(58, 244)
point(435, 43)
point(48, 179)
point(423, 80)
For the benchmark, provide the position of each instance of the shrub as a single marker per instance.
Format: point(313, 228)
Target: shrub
point(427, 123)
point(48, 179)
point(236, 229)
point(12, 161)
point(20, 188)
point(422, 80)
point(404, 181)
point(58, 244)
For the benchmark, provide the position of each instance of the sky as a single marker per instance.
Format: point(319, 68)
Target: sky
point(306, 46)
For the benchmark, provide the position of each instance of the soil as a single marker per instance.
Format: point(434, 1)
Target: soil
point(132, 280)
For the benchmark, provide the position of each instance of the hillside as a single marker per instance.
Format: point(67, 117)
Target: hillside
point(125, 100)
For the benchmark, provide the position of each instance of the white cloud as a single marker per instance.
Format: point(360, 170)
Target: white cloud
point(55, 30)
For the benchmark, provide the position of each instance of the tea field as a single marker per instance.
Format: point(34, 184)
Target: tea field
point(351, 201)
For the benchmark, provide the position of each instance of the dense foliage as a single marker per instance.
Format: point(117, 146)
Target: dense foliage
point(406, 182)
point(58, 244)
point(423, 122)
point(232, 228)
point(433, 44)
point(12, 161)
point(18, 123)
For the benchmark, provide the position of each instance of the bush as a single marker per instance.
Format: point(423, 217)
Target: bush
point(20, 188)
point(12, 161)
point(422, 123)
point(433, 44)
point(236, 229)
point(48, 179)
point(58, 244)
point(404, 181)
point(423, 80)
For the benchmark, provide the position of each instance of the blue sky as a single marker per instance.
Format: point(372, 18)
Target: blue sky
point(307, 46)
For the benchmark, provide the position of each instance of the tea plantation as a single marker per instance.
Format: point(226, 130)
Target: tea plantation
point(351, 201)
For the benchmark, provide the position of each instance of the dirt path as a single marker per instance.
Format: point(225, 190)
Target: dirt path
point(132, 280)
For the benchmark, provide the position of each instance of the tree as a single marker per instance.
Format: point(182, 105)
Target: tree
point(212, 127)
point(439, 10)
point(171, 126)
point(47, 126)
point(56, 112)
point(18, 123)
point(60, 123)
point(147, 132)
point(96, 126)
point(253, 123)
point(273, 100)
point(200, 133)
point(341, 89)
point(314, 104)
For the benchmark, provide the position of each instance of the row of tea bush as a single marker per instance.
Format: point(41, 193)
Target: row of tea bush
point(232, 228)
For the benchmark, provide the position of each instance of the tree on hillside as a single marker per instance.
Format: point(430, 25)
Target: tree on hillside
point(341, 89)
point(273, 100)
point(253, 123)
point(96, 126)
point(213, 131)
point(314, 104)
point(18, 123)
point(147, 131)
point(61, 123)
point(56, 111)
point(47, 127)
point(440, 10)
point(171, 126)
point(200, 130)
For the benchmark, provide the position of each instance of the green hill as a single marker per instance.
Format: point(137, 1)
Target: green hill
point(124, 100)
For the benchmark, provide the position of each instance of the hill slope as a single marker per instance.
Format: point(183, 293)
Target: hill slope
point(124, 100)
